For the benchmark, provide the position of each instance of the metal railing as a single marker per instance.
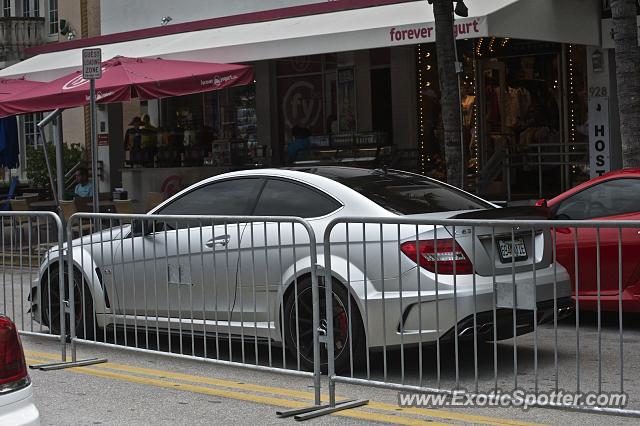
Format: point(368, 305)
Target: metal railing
point(31, 291)
point(433, 298)
point(540, 157)
point(217, 289)
point(412, 304)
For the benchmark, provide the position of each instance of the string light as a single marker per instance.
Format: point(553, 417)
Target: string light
point(491, 44)
point(572, 110)
point(421, 107)
point(424, 66)
point(476, 122)
point(478, 48)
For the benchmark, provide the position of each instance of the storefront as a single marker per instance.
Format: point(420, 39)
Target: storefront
point(328, 109)
point(354, 84)
point(524, 116)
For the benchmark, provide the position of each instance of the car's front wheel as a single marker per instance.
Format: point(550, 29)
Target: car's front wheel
point(83, 304)
point(348, 335)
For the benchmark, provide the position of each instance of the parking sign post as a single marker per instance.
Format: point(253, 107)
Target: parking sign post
point(92, 70)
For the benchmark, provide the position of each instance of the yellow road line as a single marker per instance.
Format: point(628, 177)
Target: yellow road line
point(258, 399)
point(432, 413)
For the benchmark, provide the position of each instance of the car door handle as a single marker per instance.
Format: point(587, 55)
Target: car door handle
point(221, 241)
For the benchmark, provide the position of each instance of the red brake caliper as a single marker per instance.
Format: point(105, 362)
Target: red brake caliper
point(343, 325)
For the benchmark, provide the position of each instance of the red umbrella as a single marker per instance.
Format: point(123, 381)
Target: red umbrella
point(126, 78)
point(16, 86)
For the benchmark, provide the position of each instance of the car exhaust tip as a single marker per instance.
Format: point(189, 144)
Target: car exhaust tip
point(481, 329)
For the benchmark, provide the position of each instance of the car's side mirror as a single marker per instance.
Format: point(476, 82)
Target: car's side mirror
point(542, 203)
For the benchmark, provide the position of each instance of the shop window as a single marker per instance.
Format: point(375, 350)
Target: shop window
point(317, 111)
point(347, 114)
point(217, 129)
point(53, 17)
point(381, 111)
point(30, 129)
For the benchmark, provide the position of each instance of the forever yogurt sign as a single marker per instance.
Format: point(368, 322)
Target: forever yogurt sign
point(219, 80)
point(424, 33)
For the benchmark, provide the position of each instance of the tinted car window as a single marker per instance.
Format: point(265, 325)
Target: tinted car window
point(402, 193)
point(235, 197)
point(284, 198)
point(611, 198)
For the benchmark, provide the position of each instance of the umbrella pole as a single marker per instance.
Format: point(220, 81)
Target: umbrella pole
point(58, 141)
point(41, 126)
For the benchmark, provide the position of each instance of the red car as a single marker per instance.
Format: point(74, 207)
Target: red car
point(613, 196)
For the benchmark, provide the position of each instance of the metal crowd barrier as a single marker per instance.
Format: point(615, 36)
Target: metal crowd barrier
point(211, 288)
point(33, 304)
point(431, 328)
point(417, 305)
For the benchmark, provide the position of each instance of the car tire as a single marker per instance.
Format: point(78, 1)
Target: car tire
point(85, 317)
point(345, 343)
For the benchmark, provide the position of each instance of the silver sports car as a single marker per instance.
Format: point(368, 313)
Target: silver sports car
point(239, 279)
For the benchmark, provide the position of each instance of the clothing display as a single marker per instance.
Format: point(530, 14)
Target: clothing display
point(516, 105)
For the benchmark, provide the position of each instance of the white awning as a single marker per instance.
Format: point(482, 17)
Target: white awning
point(564, 21)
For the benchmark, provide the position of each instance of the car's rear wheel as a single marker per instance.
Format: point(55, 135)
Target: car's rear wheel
point(83, 304)
point(299, 336)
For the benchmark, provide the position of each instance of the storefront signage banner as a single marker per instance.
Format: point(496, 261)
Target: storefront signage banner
point(599, 138)
point(426, 33)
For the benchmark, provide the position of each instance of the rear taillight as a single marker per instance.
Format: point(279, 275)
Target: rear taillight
point(429, 253)
point(13, 368)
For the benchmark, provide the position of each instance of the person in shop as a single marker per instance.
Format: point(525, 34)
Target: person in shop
point(133, 142)
point(84, 187)
point(148, 141)
point(299, 143)
point(332, 124)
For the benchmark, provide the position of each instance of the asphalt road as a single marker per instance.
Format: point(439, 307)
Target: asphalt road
point(135, 388)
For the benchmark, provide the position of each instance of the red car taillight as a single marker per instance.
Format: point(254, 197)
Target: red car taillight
point(429, 253)
point(13, 368)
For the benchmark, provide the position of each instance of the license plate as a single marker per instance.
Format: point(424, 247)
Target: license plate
point(509, 249)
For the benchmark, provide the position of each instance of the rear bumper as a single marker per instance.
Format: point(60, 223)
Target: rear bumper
point(502, 321)
point(18, 409)
point(422, 317)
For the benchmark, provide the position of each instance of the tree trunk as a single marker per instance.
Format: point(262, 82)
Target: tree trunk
point(628, 76)
point(450, 98)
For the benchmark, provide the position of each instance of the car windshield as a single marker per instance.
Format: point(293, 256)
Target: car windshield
point(403, 193)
